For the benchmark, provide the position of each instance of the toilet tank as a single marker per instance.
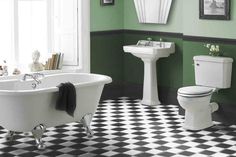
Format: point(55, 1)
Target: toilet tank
point(213, 71)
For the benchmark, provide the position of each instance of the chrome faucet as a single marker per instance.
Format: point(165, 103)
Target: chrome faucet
point(27, 75)
point(34, 76)
point(161, 42)
point(37, 75)
point(150, 42)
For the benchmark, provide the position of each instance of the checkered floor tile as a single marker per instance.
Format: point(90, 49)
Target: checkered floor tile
point(123, 127)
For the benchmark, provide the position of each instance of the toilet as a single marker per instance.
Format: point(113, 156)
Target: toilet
point(211, 75)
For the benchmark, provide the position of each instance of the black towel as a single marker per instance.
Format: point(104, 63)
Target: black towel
point(66, 100)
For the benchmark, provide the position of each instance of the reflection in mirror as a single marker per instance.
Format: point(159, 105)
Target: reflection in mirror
point(153, 11)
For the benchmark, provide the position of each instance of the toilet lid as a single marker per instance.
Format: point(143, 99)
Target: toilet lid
point(195, 90)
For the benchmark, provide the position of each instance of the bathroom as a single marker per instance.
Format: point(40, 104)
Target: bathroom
point(121, 125)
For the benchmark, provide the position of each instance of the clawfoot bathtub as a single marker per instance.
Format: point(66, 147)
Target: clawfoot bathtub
point(24, 109)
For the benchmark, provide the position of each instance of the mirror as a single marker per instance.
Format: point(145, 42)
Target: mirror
point(153, 11)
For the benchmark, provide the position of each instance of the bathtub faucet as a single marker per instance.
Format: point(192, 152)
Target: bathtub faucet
point(37, 75)
point(27, 75)
point(34, 76)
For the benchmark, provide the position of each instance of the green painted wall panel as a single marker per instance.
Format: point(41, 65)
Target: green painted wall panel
point(107, 17)
point(177, 70)
point(184, 17)
point(107, 56)
point(192, 25)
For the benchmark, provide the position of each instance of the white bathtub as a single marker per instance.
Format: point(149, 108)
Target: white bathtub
point(23, 108)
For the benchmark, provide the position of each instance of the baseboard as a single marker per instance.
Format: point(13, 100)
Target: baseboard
point(225, 113)
point(112, 91)
point(133, 90)
point(166, 95)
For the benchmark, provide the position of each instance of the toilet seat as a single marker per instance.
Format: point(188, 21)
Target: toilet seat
point(195, 91)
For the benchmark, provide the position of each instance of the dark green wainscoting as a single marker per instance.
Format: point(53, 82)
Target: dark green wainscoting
point(107, 57)
point(127, 71)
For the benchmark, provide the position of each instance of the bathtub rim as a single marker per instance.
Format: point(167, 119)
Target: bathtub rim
point(101, 79)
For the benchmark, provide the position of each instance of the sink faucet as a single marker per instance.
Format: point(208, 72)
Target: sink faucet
point(149, 43)
point(161, 43)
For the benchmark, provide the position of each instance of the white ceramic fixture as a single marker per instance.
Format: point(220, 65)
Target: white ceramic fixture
point(27, 109)
point(153, 11)
point(150, 52)
point(211, 74)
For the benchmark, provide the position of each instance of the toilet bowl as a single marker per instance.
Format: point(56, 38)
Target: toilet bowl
point(195, 100)
point(211, 74)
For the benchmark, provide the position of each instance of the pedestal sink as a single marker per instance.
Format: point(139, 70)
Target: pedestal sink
point(150, 52)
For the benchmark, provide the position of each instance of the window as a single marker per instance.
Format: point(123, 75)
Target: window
point(31, 29)
point(6, 34)
point(45, 25)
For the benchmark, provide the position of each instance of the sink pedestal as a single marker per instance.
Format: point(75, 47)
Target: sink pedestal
point(150, 52)
point(150, 92)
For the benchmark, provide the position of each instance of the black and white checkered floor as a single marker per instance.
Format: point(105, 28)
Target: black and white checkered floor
point(123, 128)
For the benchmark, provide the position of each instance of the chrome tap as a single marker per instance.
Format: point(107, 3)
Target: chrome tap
point(27, 75)
point(34, 76)
point(161, 42)
point(150, 42)
point(37, 75)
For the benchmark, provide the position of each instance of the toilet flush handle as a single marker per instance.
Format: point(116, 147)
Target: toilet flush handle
point(196, 64)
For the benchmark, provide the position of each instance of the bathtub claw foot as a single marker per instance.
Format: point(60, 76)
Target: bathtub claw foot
point(86, 121)
point(38, 134)
point(10, 135)
point(41, 146)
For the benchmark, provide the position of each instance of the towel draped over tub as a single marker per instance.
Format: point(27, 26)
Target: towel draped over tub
point(66, 100)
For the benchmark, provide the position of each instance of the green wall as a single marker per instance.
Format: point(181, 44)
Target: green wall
point(106, 17)
point(173, 72)
point(107, 56)
point(192, 25)
point(183, 18)
point(106, 49)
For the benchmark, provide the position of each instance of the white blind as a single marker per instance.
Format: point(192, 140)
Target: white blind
point(6, 31)
point(65, 28)
point(32, 29)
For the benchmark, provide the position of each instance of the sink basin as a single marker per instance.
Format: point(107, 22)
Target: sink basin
point(150, 52)
point(154, 51)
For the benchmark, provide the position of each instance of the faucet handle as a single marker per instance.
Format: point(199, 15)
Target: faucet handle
point(38, 74)
point(161, 42)
point(25, 76)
